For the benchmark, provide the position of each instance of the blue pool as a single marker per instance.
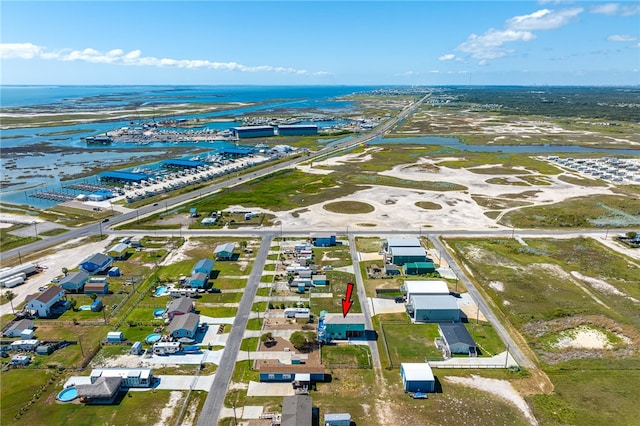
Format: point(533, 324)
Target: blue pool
point(152, 338)
point(84, 308)
point(161, 291)
point(68, 394)
point(158, 312)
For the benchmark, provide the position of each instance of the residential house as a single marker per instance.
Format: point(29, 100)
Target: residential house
point(43, 302)
point(179, 306)
point(433, 308)
point(224, 251)
point(96, 263)
point(457, 339)
point(340, 327)
point(15, 328)
point(297, 410)
point(184, 325)
point(74, 282)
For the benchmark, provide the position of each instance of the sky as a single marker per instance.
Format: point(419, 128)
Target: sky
point(545, 42)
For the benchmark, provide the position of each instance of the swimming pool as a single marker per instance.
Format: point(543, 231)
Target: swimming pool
point(158, 313)
point(161, 291)
point(153, 337)
point(68, 394)
point(85, 308)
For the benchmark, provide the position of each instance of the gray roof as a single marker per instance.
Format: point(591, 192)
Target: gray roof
point(456, 333)
point(341, 319)
point(199, 276)
point(181, 304)
point(186, 321)
point(75, 278)
point(408, 251)
point(296, 410)
point(433, 302)
point(49, 294)
point(22, 324)
point(224, 248)
point(97, 258)
point(119, 248)
point(103, 388)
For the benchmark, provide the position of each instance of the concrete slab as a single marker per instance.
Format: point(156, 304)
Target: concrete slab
point(251, 333)
point(270, 389)
point(385, 306)
point(252, 411)
point(446, 272)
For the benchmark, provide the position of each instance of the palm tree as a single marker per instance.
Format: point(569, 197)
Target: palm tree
point(10, 295)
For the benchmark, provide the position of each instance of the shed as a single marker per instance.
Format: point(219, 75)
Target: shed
point(44, 350)
point(320, 280)
point(27, 334)
point(96, 288)
point(224, 251)
point(438, 308)
point(114, 272)
point(338, 419)
point(136, 348)
point(96, 306)
point(74, 282)
point(417, 377)
point(457, 338)
point(391, 269)
point(115, 336)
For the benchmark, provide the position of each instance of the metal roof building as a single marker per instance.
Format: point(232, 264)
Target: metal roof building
point(425, 287)
point(182, 164)
point(252, 131)
point(122, 177)
point(417, 377)
point(433, 308)
point(458, 339)
point(297, 129)
point(402, 255)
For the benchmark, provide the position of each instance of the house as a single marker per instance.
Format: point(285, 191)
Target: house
point(184, 326)
point(103, 391)
point(204, 265)
point(339, 327)
point(101, 287)
point(457, 339)
point(198, 280)
point(338, 419)
point(179, 306)
point(74, 282)
point(43, 303)
point(136, 349)
point(96, 263)
point(423, 288)
point(433, 308)
point(131, 377)
point(419, 268)
point(118, 251)
point(319, 280)
point(417, 377)
point(276, 372)
point(402, 255)
point(224, 251)
point(297, 410)
point(15, 328)
point(300, 282)
point(323, 240)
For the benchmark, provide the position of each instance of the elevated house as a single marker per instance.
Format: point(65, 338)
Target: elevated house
point(204, 266)
point(42, 304)
point(74, 282)
point(118, 251)
point(198, 280)
point(224, 251)
point(96, 263)
point(184, 326)
point(338, 327)
point(179, 306)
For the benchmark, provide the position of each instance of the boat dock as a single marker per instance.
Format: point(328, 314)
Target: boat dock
point(54, 196)
point(88, 187)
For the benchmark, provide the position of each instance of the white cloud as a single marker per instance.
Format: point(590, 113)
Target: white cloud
point(613, 9)
point(447, 57)
point(134, 58)
point(490, 44)
point(621, 37)
point(19, 50)
point(543, 19)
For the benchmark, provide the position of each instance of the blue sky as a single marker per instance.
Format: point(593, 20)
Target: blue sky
point(328, 42)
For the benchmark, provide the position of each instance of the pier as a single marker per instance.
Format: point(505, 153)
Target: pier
point(88, 187)
point(54, 196)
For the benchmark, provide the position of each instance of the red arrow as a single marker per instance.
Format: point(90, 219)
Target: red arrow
point(346, 302)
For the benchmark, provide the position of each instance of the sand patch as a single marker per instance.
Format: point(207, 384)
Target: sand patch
point(497, 285)
point(500, 388)
point(601, 286)
point(583, 337)
point(168, 409)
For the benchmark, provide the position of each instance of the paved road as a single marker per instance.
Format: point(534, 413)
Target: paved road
point(514, 349)
point(215, 399)
point(362, 295)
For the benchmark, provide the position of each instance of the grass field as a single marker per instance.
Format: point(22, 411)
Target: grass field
point(552, 288)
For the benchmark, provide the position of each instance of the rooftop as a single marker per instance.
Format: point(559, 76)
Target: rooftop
point(341, 319)
point(417, 371)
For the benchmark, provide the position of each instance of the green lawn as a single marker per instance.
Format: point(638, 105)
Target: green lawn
point(411, 342)
point(344, 355)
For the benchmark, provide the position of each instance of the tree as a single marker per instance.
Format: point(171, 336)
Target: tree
point(632, 234)
point(303, 341)
point(93, 297)
point(73, 303)
point(10, 295)
point(65, 271)
point(267, 339)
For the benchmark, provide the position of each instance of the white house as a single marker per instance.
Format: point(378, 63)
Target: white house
point(44, 301)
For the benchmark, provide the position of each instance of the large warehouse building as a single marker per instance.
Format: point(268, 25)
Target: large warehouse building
point(297, 130)
point(252, 132)
point(429, 308)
